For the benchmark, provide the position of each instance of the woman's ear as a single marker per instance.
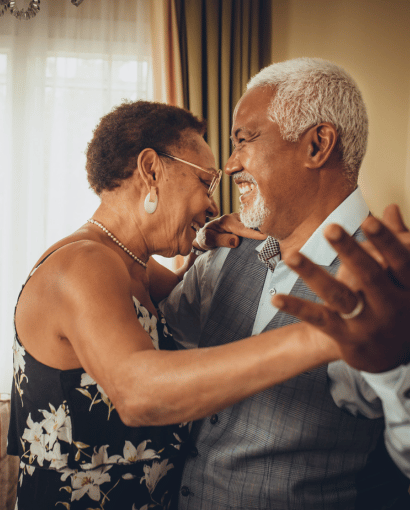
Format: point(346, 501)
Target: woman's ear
point(149, 166)
point(321, 143)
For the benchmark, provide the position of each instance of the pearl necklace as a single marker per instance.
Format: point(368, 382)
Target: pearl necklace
point(143, 264)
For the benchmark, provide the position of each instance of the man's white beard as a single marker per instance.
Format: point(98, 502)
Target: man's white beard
point(253, 216)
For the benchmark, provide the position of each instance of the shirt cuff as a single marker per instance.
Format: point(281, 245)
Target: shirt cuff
point(393, 388)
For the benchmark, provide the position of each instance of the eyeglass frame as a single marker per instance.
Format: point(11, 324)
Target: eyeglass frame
point(215, 181)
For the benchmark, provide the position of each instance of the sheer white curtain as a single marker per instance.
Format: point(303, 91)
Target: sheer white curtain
point(59, 73)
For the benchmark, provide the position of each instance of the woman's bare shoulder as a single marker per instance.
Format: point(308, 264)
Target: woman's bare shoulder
point(77, 265)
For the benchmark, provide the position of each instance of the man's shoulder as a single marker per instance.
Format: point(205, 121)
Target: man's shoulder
point(208, 264)
point(211, 262)
point(249, 243)
point(218, 256)
point(247, 249)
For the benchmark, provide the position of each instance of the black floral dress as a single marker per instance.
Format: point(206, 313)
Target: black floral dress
point(74, 450)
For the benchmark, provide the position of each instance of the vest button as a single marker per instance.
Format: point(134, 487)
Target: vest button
point(185, 491)
point(214, 419)
point(272, 292)
point(193, 451)
point(407, 393)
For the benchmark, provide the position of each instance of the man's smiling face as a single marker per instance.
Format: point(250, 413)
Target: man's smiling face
point(268, 170)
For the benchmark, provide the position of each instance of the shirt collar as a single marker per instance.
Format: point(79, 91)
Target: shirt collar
point(350, 214)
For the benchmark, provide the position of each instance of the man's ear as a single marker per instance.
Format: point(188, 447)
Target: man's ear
point(321, 142)
point(149, 166)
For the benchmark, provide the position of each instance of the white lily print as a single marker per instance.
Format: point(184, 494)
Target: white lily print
point(19, 363)
point(57, 424)
point(86, 381)
point(34, 435)
point(147, 321)
point(25, 468)
point(154, 473)
point(56, 458)
point(30, 469)
point(66, 472)
point(177, 446)
point(132, 454)
point(88, 483)
point(100, 458)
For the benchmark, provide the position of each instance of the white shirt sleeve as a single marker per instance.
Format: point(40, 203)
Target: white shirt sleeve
point(375, 395)
point(393, 389)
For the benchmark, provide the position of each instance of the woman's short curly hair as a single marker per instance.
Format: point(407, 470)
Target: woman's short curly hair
point(126, 131)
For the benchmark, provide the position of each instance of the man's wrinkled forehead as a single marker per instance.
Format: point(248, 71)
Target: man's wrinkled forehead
point(254, 103)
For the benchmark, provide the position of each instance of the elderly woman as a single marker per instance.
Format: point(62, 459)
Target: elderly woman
point(100, 395)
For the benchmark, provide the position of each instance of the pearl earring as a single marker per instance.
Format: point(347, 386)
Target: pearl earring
point(151, 201)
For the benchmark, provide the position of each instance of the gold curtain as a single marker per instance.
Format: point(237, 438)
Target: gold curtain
point(166, 60)
point(222, 43)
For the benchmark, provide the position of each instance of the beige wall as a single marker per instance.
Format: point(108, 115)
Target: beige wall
point(371, 40)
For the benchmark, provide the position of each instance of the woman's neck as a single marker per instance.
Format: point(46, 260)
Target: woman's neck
point(124, 229)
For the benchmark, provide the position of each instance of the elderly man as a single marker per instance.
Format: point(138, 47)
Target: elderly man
point(316, 441)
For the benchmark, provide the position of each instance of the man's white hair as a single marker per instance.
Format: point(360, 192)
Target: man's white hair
point(310, 91)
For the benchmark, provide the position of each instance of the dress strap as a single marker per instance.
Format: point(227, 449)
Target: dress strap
point(39, 264)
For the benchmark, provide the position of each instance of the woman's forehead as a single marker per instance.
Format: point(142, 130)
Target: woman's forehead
point(200, 154)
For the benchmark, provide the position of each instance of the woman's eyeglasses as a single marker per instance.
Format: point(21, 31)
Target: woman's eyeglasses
point(216, 173)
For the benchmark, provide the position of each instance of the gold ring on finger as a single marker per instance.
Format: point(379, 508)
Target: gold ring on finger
point(357, 310)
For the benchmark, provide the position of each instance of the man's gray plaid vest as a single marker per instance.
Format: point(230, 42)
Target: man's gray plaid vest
point(289, 447)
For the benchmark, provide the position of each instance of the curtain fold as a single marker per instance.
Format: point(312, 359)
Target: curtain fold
point(222, 44)
point(166, 60)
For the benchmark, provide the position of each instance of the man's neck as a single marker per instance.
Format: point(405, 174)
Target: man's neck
point(297, 239)
point(305, 229)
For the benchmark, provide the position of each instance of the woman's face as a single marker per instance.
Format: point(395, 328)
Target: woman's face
point(186, 194)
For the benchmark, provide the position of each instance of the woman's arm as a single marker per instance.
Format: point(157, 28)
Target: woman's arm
point(150, 387)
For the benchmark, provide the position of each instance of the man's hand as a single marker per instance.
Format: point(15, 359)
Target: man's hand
point(377, 272)
point(224, 231)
